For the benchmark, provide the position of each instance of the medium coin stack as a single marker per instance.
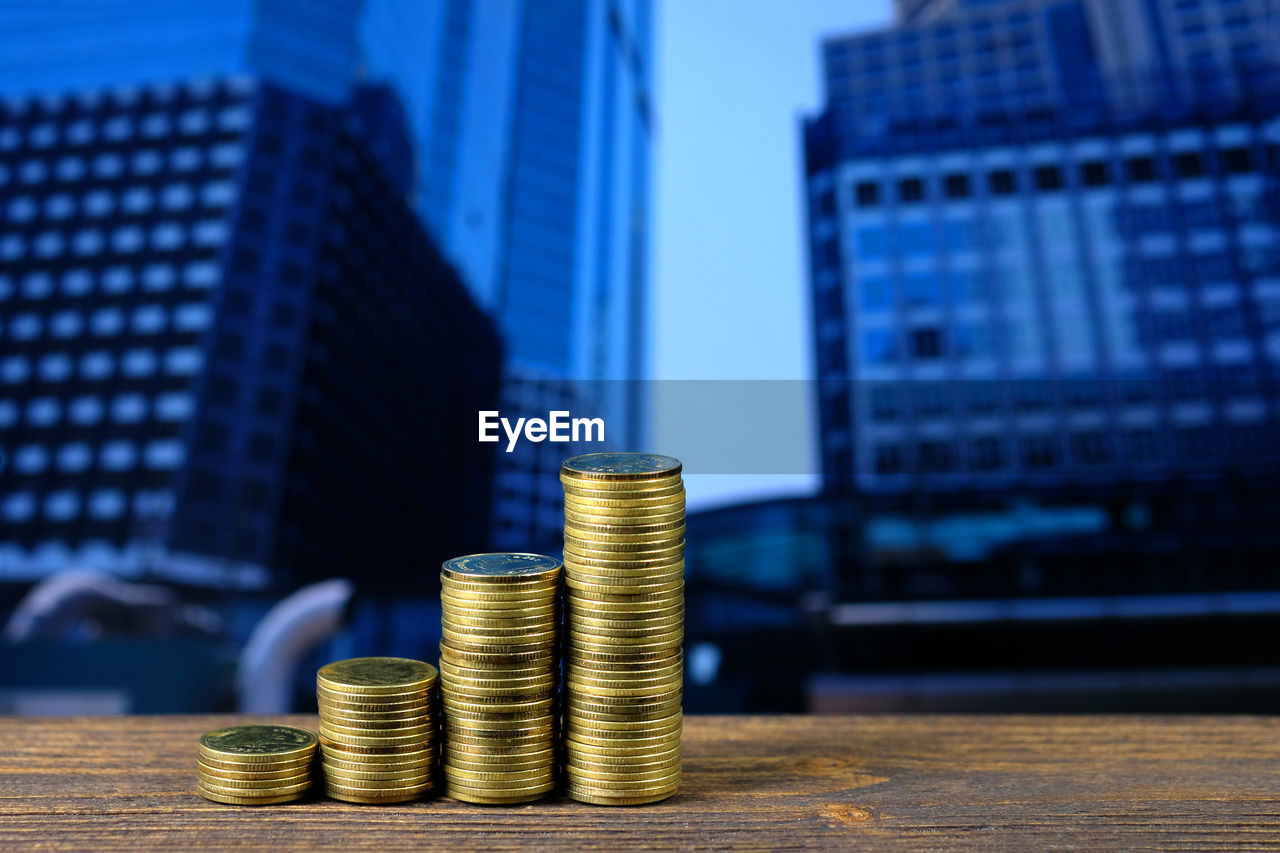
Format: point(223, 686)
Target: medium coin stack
point(498, 674)
point(256, 765)
point(377, 729)
point(624, 626)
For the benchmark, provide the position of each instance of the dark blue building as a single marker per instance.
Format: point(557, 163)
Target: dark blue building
point(231, 353)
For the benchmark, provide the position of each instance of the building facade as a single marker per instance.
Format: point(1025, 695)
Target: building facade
point(1045, 253)
point(231, 352)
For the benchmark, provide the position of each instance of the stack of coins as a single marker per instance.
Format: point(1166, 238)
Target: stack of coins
point(256, 765)
point(498, 674)
point(377, 729)
point(624, 626)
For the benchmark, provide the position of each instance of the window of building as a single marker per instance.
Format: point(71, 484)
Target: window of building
point(167, 235)
point(183, 361)
point(186, 159)
point(30, 459)
point(77, 282)
point(43, 412)
point(117, 455)
point(1236, 161)
point(15, 369)
point(158, 277)
point(25, 327)
point(174, 406)
point(85, 410)
point(876, 293)
point(871, 242)
point(1048, 178)
point(986, 454)
point(921, 289)
point(97, 364)
point(138, 363)
point(926, 343)
point(935, 457)
point(177, 197)
point(148, 319)
point(910, 190)
point(879, 346)
point(1002, 182)
point(1039, 451)
point(99, 203)
point(128, 408)
point(201, 275)
point(55, 367)
point(956, 186)
point(106, 504)
point(70, 168)
point(192, 317)
point(1090, 448)
point(1142, 169)
point(1188, 164)
point(147, 162)
point(917, 238)
point(164, 454)
point(59, 206)
point(127, 239)
point(19, 506)
point(75, 456)
point(888, 459)
point(108, 165)
point(268, 401)
point(62, 505)
point(867, 194)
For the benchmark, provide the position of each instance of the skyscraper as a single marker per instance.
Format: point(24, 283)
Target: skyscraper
point(231, 352)
point(1045, 255)
point(525, 142)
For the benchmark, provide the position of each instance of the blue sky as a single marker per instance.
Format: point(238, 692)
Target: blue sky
point(734, 77)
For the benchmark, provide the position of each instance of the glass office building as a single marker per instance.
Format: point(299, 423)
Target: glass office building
point(523, 145)
point(227, 343)
point(1045, 265)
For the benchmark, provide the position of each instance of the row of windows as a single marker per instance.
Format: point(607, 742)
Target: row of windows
point(68, 504)
point(89, 409)
point(136, 200)
point(1080, 449)
point(197, 121)
point(128, 96)
point(127, 239)
point(1049, 177)
point(158, 276)
point(116, 455)
point(109, 165)
point(105, 322)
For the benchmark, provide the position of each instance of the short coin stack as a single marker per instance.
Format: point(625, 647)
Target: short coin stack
point(256, 765)
point(624, 625)
point(377, 729)
point(498, 674)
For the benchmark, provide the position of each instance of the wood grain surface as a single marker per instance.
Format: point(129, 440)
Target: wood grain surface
point(773, 783)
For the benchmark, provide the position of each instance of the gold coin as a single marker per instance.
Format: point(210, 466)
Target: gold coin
point(621, 782)
point(499, 694)
point(471, 657)
point(623, 706)
point(500, 763)
point(608, 747)
point(348, 738)
point(389, 701)
point(257, 744)
point(373, 710)
point(412, 773)
point(232, 791)
point(482, 800)
point(610, 548)
point(501, 567)
point(625, 626)
point(477, 618)
point(642, 580)
point(461, 743)
point(620, 465)
point(453, 789)
point(255, 784)
point(377, 795)
point(497, 603)
point(254, 771)
point(611, 609)
point(349, 751)
point(633, 774)
point(234, 800)
point(582, 688)
point(579, 710)
point(476, 779)
point(455, 703)
point(381, 763)
point(595, 798)
point(585, 588)
point(500, 637)
point(586, 731)
point(657, 513)
point(587, 756)
point(623, 678)
point(532, 588)
point(485, 673)
point(376, 675)
point(609, 501)
point(608, 536)
point(605, 524)
point(368, 723)
point(626, 487)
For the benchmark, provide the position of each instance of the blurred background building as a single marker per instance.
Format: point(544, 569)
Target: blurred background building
point(262, 263)
point(1046, 314)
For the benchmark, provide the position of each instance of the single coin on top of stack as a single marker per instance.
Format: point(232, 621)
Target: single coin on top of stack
point(256, 765)
point(377, 729)
point(624, 626)
point(498, 675)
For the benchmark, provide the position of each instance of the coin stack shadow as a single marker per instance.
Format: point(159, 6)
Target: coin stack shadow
point(499, 669)
point(256, 765)
point(624, 626)
point(377, 729)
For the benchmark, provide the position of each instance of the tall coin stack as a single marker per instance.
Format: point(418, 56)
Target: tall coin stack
point(256, 765)
point(377, 729)
point(498, 674)
point(624, 626)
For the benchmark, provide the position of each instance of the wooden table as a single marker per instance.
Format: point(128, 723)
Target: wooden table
point(773, 783)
